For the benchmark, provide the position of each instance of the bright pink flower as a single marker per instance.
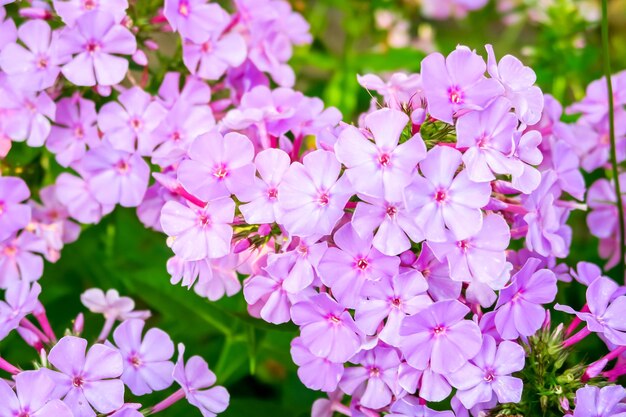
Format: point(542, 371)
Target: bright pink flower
point(445, 200)
point(94, 45)
point(311, 197)
point(198, 233)
point(381, 169)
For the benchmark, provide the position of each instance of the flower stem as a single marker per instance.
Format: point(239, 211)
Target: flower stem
point(577, 337)
point(607, 74)
point(176, 396)
point(6, 366)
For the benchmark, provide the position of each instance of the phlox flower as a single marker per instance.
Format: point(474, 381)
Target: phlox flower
point(262, 195)
point(20, 299)
point(488, 373)
point(391, 299)
point(481, 257)
point(566, 166)
point(120, 177)
point(146, 361)
point(87, 380)
point(347, 267)
point(457, 83)
point(211, 278)
point(381, 169)
point(8, 31)
point(74, 130)
point(400, 89)
point(391, 223)
point(315, 373)
point(194, 92)
point(600, 402)
point(488, 135)
point(377, 374)
point(527, 151)
point(34, 397)
point(36, 66)
point(199, 232)
point(111, 305)
point(603, 220)
point(194, 19)
point(445, 199)
point(594, 107)
point(518, 81)
point(196, 380)
point(71, 10)
point(305, 257)
point(77, 196)
point(326, 328)
point(128, 124)
point(219, 165)
point(94, 44)
point(20, 259)
point(439, 336)
point(51, 220)
point(411, 407)
point(14, 214)
point(437, 275)
point(311, 198)
point(519, 309)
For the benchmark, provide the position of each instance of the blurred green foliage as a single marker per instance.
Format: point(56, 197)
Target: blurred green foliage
point(251, 358)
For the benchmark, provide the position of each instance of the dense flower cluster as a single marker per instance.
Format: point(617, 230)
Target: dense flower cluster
point(390, 243)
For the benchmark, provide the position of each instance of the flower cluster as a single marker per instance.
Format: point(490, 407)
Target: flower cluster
point(388, 243)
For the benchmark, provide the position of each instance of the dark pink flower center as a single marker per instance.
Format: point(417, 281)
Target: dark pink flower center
point(323, 199)
point(122, 167)
point(426, 272)
point(42, 62)
point(483, 140)
point(204, 220)
point(463, 245)
point(176, 136)
point(384, 160)
point(1, 207)
point(441, 196)
point(396, 302)
point(391, 211)
point(78, 381)
point(439, 329)
point(136, 123)
point(220, 172)
point(456, 96)
point(374, 372)
point(10, 251)
point(362, 264)
point(303, 250)
point(93, 46)
point(334, 319)
point(24, 413)
point(79, 133)
point(135, 361)
point(489, 376)
point(206, 47)
point(272, 193)
point(183, 8)
point(90, 4)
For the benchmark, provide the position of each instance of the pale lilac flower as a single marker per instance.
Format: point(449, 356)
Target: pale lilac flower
point(195, 377)
point(20, 299)
point(446, 200)
point(8, 31)
point(438, 335)
point(600, 402)
point(400, 89)
point(128, 410)
point(586, 272)
point(488, 135)
point(457, 83)
point(197, 232)
point(518, 81)
point(72, 10)
point(527, 150)
point(594, 105)
point(393, 224)
point(111, 305)
point(377, 374)
point(327, 329)
point(87, 378)
point(94, 45)
point(607, 310)
point(34, 397)
point(443, 9)
point(74, 130)
point(566, 166)
point(315, 373)
point(219, 165)
point(35, 67)
point(195, 92)
point(347, 267)
point(519, 310)
point(411, 407)
point(147, 365)
point(120, 177)
point(26, 114)
point(391, 299)
point(51, 220)
point(20, 259)
point(603, 220)
point(488, 373)
point(215, 277)
point(77, 196)
point(127, 125)
point(262, 195)
point(433, 385)
point(305, 257)
point(14, 215)
point(437, 275)
point(194, 19)
point(381, 169)
point(481, 257)
point(311, 199)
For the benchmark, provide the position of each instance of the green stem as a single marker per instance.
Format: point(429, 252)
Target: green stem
point(618, 191)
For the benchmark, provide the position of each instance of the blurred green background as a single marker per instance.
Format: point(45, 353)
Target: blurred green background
point(560, 39)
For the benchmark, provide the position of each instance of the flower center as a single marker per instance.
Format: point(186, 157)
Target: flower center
point(205, 220)
point(135, 361)
point(384, 160)
point(362, 264)
point(78, 381)
point(396, 302)
point(79, 133)
point(92, 46)
point(220, 172)
point(10, 251)
point(463, 245)
point(439, 329)
point(24, 413)
point(42, 62)
point(455, 95)
point(90, 4)
point(441, 196)
point(136, 123)
point(489, 376)
point(177, 136)
point(303, 250)
point(391, 211)
point(323, 199)
point(272, 193)
point(206, 47)
point(374, 372)
point(334, 319)
point(1, 207)
point(122, 167)
point(183, 8)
